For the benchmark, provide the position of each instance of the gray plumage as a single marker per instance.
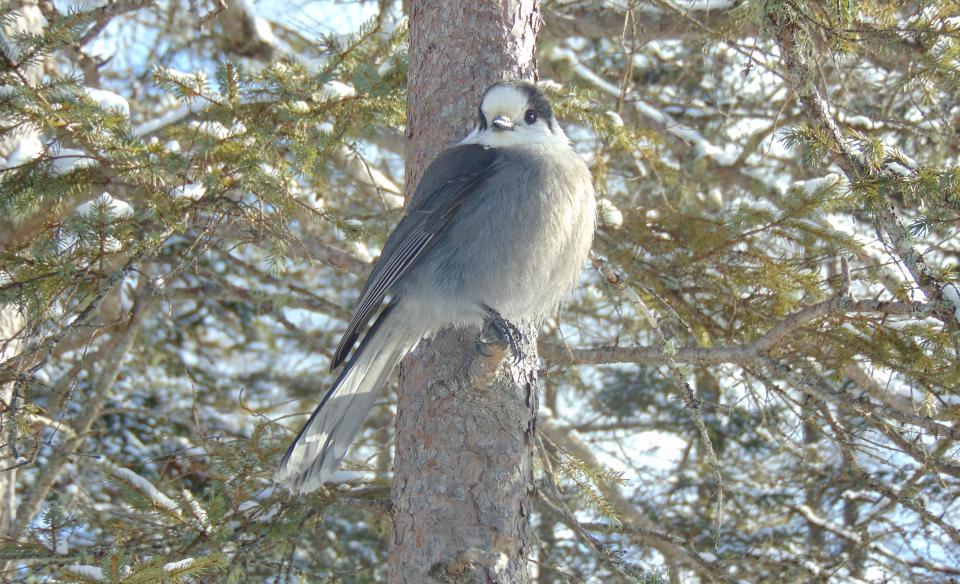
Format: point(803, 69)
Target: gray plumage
point(503, 219)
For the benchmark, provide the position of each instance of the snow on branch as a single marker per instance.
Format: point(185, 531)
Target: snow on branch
point(790, 39)
point(702, 147)
point(144, 487)
point(85, 574)
point(197, 510)
point(108, 100)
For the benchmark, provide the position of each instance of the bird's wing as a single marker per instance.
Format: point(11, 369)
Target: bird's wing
point(449, 180)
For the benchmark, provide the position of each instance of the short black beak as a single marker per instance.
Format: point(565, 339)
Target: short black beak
point(502, 122)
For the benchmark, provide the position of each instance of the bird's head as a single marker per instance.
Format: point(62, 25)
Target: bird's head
point(514, 113)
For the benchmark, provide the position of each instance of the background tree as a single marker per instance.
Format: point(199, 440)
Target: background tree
point(756, 381)
point(27, 20)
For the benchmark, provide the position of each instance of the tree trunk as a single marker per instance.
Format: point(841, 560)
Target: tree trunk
point(547, 525)
point(463, 472)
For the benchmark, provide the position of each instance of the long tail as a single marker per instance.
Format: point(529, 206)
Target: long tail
point(322, 443)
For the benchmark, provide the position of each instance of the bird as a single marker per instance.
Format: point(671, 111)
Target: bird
point(496, 232)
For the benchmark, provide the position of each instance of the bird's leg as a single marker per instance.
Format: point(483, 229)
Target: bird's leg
point(499, 331)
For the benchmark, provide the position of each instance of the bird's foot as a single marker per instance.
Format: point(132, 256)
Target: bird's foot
point(500, 332)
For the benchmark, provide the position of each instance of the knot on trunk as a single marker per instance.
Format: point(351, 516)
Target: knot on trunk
point(470, 565)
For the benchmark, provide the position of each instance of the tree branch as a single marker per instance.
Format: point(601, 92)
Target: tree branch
point(633, 518)
point(93, 406)
point(737, 354)
point(790, 38)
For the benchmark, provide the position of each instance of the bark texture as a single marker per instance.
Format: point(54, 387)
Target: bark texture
point(463, 473)
point(457, 50)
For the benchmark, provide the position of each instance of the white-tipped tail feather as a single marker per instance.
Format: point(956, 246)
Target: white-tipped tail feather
point(322, 443)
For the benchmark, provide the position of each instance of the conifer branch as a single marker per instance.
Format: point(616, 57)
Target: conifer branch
point(93, 405)
point(603, 551)
point(737, 354)
point(793, 41)
point(630, 514)
point(689, 396)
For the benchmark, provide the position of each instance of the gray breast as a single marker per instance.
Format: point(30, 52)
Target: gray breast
point(517, 244)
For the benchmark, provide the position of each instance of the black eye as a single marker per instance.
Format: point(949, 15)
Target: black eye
point(530, 117)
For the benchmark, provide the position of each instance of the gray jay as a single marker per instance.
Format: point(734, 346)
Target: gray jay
point(496, 232)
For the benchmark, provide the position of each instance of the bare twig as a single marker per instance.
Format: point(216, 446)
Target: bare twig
point(93, 406)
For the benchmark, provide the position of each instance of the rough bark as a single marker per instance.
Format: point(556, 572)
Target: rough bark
point(458, 49)
point(463, 472)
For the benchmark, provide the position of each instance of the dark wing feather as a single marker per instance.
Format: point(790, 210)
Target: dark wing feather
point(448, 182)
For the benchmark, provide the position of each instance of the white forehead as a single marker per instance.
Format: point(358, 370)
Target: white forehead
point(504, 99)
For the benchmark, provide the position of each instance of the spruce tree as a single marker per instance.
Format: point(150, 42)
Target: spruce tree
point(756, 379)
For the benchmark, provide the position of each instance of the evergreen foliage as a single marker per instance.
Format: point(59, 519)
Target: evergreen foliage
point(756, 381)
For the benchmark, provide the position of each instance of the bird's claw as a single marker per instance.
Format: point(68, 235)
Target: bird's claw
point(499, 331)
